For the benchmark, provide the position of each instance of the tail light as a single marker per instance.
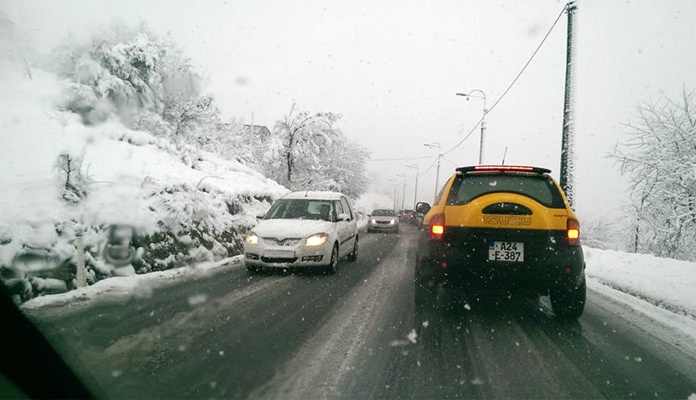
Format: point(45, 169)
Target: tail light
point(573, 232)
point(437, 227)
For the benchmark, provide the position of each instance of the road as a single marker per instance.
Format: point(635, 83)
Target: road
point(356, 335)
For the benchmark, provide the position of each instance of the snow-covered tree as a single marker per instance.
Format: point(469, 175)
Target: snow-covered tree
point(73, 182)
point(119, 66)
point(235, 141)
point(345, 166)
point(306, 151)
point(660, 161)
point(297, 143)
point(143, 79)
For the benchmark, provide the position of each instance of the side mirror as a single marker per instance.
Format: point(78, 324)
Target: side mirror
point(261, 216)
point(423, 208)
point(343, 217)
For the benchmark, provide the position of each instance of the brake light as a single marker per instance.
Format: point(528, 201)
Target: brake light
point(573, 232)
point(503, 168)
point(437, 227)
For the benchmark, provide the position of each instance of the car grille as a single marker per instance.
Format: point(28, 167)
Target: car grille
point(289, 242)
point(278, 260)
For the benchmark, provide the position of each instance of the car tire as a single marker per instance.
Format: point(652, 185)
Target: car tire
point(353, 256)
point(569, 303)
point(333, 263)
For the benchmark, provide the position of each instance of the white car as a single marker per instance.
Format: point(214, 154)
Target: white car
point(304, 229)
point(383, 220)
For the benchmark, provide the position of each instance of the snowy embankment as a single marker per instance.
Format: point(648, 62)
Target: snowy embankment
point(666, 283)
point(61, 179)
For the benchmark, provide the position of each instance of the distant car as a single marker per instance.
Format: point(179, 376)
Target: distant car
point(383, 220)
point(406, 215)
point(304, 229)
point(502, 227)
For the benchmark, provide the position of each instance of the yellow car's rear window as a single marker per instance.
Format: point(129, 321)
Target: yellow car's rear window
point(468, 187)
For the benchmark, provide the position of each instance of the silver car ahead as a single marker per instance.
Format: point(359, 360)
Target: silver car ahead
point(383, 220)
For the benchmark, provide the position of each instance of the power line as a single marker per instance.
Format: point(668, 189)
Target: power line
point(450, 161)
point(429, 168)
point(513, 81)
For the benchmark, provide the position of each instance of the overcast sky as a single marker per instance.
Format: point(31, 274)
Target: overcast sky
point(392, 68)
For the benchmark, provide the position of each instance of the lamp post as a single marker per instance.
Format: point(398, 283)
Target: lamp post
point(415, 189)
point(439, 155)
point(483, 119)
point(403, 192)
point(394, 181)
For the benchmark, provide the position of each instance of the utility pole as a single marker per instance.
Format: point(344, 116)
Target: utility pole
point(468, 96)
point(437, 175)
point(439, 156)
point(415, 192)
point(403, 194)
point(567, 142)
point(415, 189)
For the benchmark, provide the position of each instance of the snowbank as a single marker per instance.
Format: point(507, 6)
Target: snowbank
point(195, 200)
point(119, 289)
point(664, 282)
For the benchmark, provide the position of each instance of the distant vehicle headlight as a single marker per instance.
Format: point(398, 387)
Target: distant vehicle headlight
point(373, 221)
point(252, 238)
point(317, 239)
point(392, 222)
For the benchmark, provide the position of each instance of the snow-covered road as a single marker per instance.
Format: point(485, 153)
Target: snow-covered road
point(356, 335)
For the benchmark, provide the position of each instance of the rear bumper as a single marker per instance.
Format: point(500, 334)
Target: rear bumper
point(463, 261)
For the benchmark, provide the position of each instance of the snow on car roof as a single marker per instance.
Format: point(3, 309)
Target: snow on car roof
point(314, 195)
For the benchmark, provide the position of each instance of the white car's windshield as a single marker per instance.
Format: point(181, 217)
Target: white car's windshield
point(301, 209)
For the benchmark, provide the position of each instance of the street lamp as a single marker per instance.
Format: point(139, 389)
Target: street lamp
point(395, 182)
point(439, 155)
point(483, 119)
point(403, 192)
point(415, 190)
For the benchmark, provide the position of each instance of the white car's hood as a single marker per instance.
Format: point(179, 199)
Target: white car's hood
point(291, 228)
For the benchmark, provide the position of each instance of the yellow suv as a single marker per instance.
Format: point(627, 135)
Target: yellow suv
point(502, 227)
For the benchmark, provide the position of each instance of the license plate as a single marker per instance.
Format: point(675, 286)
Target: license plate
point(279, 254)
point(506, 251)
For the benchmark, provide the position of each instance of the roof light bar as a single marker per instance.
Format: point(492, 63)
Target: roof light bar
point(513, 168)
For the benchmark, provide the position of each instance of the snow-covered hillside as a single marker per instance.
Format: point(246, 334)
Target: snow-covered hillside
point(130, 177)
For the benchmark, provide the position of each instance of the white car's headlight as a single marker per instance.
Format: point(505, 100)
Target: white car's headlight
point(317, 239)
point(392, 222)
point(374, 221)
point(252, 238)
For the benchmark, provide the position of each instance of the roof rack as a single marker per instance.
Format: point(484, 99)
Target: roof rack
point(503, 168)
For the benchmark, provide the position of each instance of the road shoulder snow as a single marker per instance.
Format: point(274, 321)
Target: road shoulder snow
point(679, 331)
point(118, 289)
